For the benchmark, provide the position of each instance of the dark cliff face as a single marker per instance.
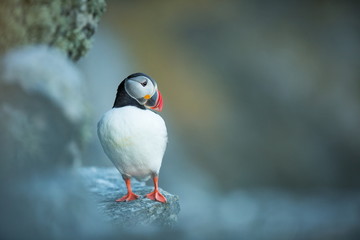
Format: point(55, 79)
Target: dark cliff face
point(42, 119)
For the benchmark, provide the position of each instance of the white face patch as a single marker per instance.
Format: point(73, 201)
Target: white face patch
point(139, 87)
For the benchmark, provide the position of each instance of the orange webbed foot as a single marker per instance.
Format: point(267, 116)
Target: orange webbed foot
point(156, 196)
point(128, 197)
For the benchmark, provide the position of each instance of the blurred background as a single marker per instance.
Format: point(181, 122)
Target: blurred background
point(262, 105)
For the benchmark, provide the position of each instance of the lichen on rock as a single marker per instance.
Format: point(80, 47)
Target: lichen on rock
point(66, 24)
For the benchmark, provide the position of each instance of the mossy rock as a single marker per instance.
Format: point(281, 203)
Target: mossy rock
point(66, 24)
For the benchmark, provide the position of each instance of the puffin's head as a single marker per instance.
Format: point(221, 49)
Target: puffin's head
point(144, 90)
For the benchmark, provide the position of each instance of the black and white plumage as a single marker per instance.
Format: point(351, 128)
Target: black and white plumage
point(134, 137)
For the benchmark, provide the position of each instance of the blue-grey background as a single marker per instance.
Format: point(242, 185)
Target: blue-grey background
point(262, 107)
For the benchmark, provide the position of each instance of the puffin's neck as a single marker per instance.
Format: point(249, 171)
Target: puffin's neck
point(123, 99)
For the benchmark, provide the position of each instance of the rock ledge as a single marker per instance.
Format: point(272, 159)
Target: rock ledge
point(106, 185)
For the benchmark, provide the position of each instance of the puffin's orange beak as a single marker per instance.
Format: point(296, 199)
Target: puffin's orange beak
point(155, 102)
point(159, 103)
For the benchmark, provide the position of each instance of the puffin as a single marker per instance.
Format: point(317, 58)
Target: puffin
point(133, 136)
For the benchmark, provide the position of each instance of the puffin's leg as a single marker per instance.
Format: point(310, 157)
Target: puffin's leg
point(130, 195)
point(156, 195)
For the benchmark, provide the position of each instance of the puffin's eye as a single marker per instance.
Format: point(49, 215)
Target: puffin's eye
point(144, 83)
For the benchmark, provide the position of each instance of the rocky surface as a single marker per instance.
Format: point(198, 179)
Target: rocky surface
point(42, 110)
point(106, 185)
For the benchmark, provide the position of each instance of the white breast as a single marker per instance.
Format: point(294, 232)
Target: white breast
point(134, 140)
